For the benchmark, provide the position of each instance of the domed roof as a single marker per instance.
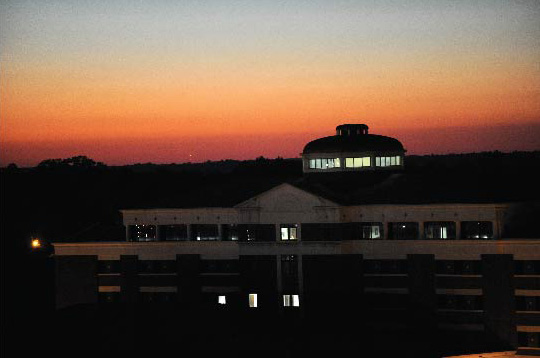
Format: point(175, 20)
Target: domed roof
point(353, 138)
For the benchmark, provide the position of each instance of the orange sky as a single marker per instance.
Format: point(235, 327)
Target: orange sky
point(243, 86)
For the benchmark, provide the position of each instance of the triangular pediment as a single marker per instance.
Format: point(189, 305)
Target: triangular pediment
point(286, 198)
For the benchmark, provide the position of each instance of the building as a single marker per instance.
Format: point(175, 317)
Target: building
point(339, 238)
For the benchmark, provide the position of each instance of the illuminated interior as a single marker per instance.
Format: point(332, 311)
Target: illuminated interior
point(352, 149)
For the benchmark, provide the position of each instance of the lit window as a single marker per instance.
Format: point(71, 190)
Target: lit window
point(291, 301)
point(371, 231)
point(349, 162)
point(253, 300)
point(440, 230)
point(289, 232)
point(366, 161)
point(222, 300)
point(357, 162)
point(444, 233)
point(324, 163)
point(387, 161)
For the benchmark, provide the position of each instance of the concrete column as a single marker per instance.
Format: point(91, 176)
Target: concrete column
point(188, 227)
point(497, 226)
point(499, 300)
point(220, 231)
point(129, 279)
point(278, 232)
point(188, 284)
point(421, 233)
point(158, 233)
point(128, 232)
point(422, 294)
point(279, 276)
point(300, 278)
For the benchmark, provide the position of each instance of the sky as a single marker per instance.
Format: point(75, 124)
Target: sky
point(174, 81)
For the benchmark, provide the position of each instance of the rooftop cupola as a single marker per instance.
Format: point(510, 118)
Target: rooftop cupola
point(352, 129)
point(353, 150)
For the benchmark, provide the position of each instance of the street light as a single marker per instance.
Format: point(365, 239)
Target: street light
point(36, 243)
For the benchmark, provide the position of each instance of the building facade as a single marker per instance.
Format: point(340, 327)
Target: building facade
point(292, 251)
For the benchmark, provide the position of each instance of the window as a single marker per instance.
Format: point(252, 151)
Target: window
point(371, 230)
point(440, 230)
point(357, 162)
point(476, 230)
point(289, 232)
point(256, 232)
point(143, 233)
point(403, 231)
point(291, 301)
point(324, 163)
point(222, 300)
point(253, 300)
point(387, 161)
point(230, 232)
point(323, 232)
point(173, 232)
point(205, 232)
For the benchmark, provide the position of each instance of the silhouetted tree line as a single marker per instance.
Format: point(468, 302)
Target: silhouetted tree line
point(79, 161)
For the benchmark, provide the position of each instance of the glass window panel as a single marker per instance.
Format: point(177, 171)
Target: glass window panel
point(318, 164)
point(252, 300)
point(330, 163)
point(222, 300)
point(444, 233)
point(286, 300)
point(378, 161)
point(284, 233)
point(366, 161)
point(349, 162)
point(292, 233)
point(392, 160)
point(357, 162)
point(337, 163)
point(312, 163)
point(295, 301)
point(398, 160)
point(324, 163)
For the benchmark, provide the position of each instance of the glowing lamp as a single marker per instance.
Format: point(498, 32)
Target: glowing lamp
point(36, 244)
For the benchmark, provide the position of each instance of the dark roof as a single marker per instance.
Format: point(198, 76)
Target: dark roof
point(353, 143)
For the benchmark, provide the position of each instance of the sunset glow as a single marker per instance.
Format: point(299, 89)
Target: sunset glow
point(160, 81)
